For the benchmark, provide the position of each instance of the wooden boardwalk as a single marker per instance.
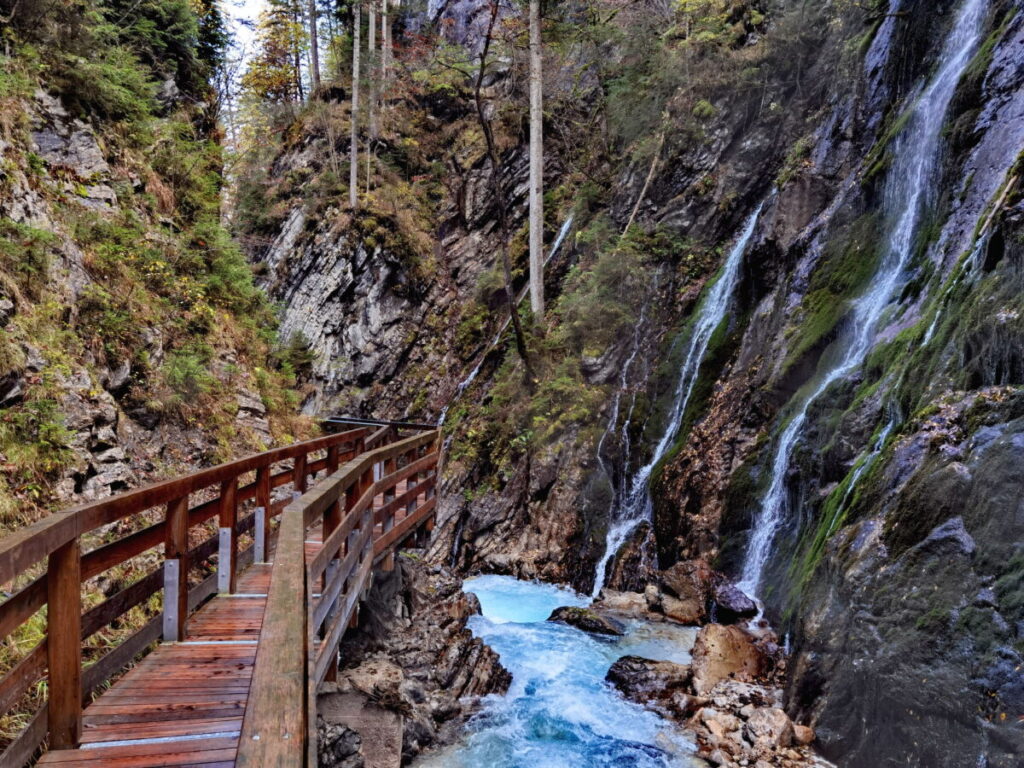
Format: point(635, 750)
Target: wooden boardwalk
point(186, 702)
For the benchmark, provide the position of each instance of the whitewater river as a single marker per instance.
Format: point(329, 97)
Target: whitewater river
point(559, 712)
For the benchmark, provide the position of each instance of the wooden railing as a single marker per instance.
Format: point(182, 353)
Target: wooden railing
point(45, 565)
point(298, 645)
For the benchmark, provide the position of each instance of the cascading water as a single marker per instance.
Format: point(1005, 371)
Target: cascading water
point(632, 506)
point(464, 384)
point(915, 156)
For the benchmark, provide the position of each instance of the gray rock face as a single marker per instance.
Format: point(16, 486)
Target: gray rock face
point(65, 141)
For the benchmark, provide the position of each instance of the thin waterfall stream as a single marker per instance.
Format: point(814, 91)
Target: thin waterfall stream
point(915, 154)
point(632, 504)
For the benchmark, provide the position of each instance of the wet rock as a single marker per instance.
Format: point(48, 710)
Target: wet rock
point(732, 604)
point(648, 682)
point(586, 619)
point(722, 653)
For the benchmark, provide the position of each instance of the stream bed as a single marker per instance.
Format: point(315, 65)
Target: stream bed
point(559, 711)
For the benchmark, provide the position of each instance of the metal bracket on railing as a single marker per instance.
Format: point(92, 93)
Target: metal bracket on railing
point(171, 570)
point(260, 543)
point(225, 558)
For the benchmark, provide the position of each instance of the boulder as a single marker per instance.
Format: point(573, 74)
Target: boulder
point(732, 604)
point(723, 653)
point(630, 604)
point(802, 734)
point(683, 611)
point(646, 681)
point(586, 619)
point(689, 582)
point(769, 728)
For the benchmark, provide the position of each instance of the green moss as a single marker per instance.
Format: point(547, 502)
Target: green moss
point(845, 267)
point(879, 157)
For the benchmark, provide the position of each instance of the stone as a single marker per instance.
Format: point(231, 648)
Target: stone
point(646, 681)
point(770, 728)
point(683, 611)
point(7, 310)
point(690, 583)
point(802, 734)
point(732, 604)
point(724, 652)
point(586, 619)
point(653, 597)
point(338, 746)
point(119, 377)
point(630, 604)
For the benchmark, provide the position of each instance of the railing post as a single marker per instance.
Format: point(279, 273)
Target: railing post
point(262, 513)
point(227, 551)
point(176, 570)
point(299, 474)
point(63, 645)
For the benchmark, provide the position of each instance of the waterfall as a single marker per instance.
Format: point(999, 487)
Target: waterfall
point(464, 384)
point(634, 505)
point(915, 154)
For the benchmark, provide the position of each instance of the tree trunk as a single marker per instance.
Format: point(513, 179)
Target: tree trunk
point(353, 179)
point(499, 196)
point(314, 48)
point(536, 166)
point(385, 44)
point(371, 58)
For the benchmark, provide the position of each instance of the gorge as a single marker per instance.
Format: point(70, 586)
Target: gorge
point(747, 491)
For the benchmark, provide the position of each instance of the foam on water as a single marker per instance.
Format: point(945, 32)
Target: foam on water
point(559, 711)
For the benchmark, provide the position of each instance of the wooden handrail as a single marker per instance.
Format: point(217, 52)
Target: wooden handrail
point(299, 638)
point(57, 540)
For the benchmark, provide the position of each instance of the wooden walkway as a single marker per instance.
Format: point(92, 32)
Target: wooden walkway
point(186, 702)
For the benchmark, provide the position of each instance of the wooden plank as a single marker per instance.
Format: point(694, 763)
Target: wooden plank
point(345, 569)
point(99, 616)
point(274, 728)
point(23, 676)
point(21, 606)
point(102, 558)
point(399, 532)
point(25, 547)
point(20, 751)
point(100, 672)
point(341, 619)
